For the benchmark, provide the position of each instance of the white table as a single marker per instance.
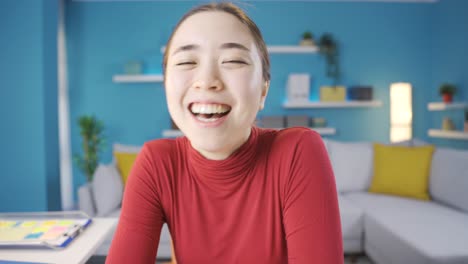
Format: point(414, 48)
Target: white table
point(79, 250)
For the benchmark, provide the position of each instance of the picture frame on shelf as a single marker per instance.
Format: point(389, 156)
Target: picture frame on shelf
point(298, 87)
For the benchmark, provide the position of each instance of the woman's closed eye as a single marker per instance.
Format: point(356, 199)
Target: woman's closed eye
point(186, 63)
point(235, 61)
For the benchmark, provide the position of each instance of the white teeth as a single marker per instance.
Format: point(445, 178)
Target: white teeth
point(209, 108)
point(208, 120)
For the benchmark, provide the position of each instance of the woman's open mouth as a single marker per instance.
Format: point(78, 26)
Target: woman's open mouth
point(209, 113)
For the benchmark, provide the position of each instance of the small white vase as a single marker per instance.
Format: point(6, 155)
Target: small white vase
point(86, 200)
point(307, 42)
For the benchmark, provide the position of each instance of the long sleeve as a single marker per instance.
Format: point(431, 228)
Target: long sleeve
point(310, 210)
point(137, 236)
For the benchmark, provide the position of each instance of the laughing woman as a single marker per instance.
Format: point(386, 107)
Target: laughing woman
point(229, 192)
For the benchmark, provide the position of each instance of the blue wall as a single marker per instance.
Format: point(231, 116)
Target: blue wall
point(449, 62)
point(380, 43)
point(29, 157)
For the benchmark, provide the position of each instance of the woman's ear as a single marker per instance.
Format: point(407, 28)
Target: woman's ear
point(265, 88)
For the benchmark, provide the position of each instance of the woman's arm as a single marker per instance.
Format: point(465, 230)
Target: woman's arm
point(136, 239)
point(310, 210)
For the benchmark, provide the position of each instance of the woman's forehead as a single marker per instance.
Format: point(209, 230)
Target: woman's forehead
point(212, 28)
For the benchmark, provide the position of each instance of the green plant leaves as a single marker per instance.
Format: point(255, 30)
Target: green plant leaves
point(329, 48)
point(91, 131)
point(447, 88)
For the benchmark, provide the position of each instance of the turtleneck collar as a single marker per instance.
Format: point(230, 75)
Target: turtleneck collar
point(235, 166)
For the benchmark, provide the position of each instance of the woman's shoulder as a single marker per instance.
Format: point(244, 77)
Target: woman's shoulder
point(287, 143)
point(290, 137)
point(161, 144)
point(163, 148)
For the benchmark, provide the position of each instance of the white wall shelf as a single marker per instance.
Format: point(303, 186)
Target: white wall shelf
point(321, 130)
point(283, 49)
point(332, 104)
point(171, 133)
point(324, 130)
point(448, 134)
point(439, 106)
point(293, 49)
point(138, 78)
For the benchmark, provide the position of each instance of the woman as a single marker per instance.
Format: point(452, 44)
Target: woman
point(230, 192)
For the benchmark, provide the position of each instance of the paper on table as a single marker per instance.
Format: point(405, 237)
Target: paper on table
point(13, 235)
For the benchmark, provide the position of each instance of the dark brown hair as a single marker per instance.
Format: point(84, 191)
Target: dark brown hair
point(243, 18)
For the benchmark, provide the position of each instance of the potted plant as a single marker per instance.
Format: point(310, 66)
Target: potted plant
point(447, 90)
point(328, 47)
point(91, 131)
point(307, 39)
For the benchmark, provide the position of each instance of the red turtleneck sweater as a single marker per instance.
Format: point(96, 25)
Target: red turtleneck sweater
point(272, 201)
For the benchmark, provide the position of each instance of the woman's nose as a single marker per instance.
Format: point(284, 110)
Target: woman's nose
point(209, 79)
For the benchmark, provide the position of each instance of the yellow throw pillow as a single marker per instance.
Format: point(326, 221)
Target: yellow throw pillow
point(402, 171)
point(124, 163)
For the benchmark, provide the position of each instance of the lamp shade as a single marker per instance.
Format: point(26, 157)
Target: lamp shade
point(401, 111)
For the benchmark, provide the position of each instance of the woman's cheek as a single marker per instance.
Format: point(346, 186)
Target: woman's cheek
point(177, 83)
point(241, 78)
point(248, 76)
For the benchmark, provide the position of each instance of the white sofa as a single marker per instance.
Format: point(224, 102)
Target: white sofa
point(392, 229)
point(389, 229)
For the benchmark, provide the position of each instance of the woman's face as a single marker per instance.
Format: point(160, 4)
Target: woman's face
point(214, 84)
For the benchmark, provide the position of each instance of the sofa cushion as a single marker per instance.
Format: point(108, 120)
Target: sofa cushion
point(405, 230)
point(352, 165)
point(117, 147)
point(352, 225)
point(123, 157)
point(414, 142)
point(115, 213)
point(125, 163)
point(402, 171)
point(325, 143)
point(449, 177)
point(107, 189)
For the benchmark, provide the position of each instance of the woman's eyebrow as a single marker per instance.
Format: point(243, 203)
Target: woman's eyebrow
point(186, 48)
point(228, 45)
point(233, 45)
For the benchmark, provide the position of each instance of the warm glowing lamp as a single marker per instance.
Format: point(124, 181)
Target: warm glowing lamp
point(401, 112)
